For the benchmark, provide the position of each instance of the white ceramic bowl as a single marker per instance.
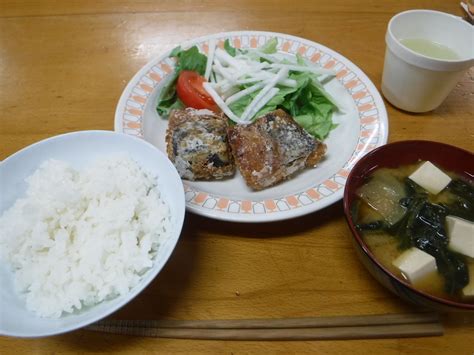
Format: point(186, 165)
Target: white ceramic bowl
point(417, 83)
point(80, 148)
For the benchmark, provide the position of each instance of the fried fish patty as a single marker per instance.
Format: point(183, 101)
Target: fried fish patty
point(272, 149)
point(197, 144)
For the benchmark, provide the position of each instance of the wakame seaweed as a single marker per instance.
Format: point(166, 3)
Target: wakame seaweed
point(423, 226)
point(463, 204)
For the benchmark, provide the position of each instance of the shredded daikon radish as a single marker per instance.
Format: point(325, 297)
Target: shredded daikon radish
point(219, 102)
point(221, 83)
point(265, 56)
point(328, 96)
point(312, 69)
point(288, 82)
point(266, 76)
point(218, 68)
point(243, 93)
point(232, 90)
point(210, 58)
point(248, 80)
point(281, 74)
point(263, 101)
point(227, 58)
point(227, 87)
point(283, 81)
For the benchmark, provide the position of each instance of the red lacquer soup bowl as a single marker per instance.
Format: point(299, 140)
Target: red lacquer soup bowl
point(393, 155)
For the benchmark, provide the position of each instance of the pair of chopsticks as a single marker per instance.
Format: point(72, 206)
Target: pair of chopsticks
point(318, 328)
point(468, 7)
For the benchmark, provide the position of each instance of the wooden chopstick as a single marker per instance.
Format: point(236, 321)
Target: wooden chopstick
point(307, 322)
point(320, 328)
point(324, 333)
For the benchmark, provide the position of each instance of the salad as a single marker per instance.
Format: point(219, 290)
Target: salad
point(248, 83)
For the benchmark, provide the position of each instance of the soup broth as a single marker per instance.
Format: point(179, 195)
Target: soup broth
point(387, 243)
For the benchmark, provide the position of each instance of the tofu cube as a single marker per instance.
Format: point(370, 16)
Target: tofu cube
point(430, 178)
point(461, 235)
point(415, 264)
point(468, 291)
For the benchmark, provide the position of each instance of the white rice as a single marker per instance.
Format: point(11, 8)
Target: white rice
point(81, 237)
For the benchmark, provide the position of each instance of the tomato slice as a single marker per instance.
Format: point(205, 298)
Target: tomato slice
point(191, 92)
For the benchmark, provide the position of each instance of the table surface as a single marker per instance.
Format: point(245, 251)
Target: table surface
point(63, 66)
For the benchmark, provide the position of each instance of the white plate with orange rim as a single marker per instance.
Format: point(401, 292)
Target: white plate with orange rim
point(362, 126)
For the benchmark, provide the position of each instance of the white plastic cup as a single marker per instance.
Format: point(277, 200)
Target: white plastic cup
point(415, 82)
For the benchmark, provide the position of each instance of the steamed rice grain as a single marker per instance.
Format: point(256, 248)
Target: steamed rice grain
point(81, 237)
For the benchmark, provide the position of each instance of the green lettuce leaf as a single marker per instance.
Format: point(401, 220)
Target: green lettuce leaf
point(165, 107)
point(189, 59)
point(300, 60)
point(229, 49)
point(168, 99)
point(270, 46)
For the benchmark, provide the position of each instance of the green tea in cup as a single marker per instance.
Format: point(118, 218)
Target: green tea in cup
point(427, 53)
point(429, 48)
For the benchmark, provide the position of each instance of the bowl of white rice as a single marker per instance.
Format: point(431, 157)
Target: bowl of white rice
point(87, 220)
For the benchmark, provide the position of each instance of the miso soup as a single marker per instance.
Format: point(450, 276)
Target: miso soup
point(394, 214)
